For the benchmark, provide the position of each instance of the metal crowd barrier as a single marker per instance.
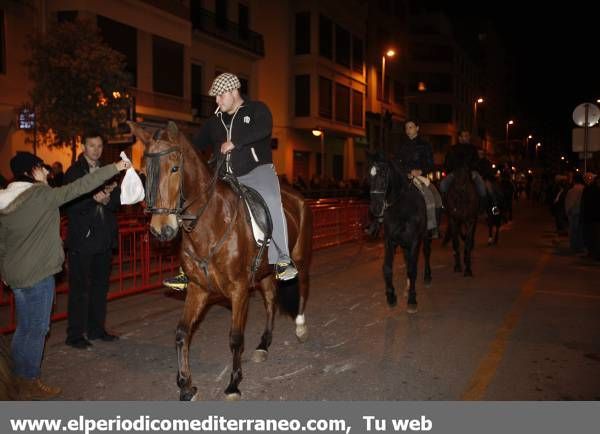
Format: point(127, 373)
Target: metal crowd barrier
point(141, 262)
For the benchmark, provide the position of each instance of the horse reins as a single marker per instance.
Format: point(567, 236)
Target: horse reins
point(179, 212)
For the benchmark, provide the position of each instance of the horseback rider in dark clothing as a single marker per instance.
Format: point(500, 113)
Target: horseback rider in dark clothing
point(416, 156)
point(488, 173)
point(464, 154)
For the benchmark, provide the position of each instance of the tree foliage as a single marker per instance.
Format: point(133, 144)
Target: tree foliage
point(79, 82)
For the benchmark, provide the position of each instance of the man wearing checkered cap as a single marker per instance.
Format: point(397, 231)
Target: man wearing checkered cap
point(241, 130)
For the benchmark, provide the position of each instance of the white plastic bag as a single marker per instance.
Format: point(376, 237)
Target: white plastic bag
point(132, 189)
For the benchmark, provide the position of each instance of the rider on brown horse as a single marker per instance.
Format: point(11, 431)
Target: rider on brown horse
point(241, 131)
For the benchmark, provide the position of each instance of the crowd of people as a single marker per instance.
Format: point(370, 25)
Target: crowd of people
point(574, 200)
point(32, 253)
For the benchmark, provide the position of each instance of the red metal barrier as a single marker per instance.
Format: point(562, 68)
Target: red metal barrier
point(142, 262)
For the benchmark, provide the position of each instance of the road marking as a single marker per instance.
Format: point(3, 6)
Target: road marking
point(570, 294)
point(291, 374)
point(489, 364)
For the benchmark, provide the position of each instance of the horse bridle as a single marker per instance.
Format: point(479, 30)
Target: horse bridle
point(152, 184)
point(381, 191)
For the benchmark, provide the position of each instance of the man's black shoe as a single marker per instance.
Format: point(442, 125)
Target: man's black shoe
point(178, 283)
point(105, 336)
point(80, 343)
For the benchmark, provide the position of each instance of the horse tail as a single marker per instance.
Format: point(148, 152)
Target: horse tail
point(288, 297)
point(8, 388)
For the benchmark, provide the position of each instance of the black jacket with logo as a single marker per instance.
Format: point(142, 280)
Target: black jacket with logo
point(415, 154)
point(251, 129)
point(92, 227)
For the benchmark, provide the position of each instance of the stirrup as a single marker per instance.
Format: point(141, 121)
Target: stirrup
point(285, 271)
point(178, 283)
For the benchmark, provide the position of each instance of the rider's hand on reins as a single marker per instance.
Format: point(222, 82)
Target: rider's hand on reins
point(226, 147)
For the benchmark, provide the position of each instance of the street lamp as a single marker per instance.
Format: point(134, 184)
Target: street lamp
point(477, 101)
point(529, 137)
point(389, 53)
point(321, 135)
point(507, 125)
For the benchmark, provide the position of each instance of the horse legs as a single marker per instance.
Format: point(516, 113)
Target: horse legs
point(497, 233)
point(426, 257)
point(411, 258)
point(268, 289)
point(469, 243)
point(388, 266)
point(456, 247)
point(239, 314)
point(195, 302)
point(490, 230)
point(303, 281)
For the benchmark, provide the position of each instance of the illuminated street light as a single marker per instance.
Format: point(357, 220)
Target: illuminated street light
point(389, 53)
point(509, 123)
point(477, 101)
point(320, 133)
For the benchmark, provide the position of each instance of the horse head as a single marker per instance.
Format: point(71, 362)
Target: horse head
point(379, 175)
point(163, 154)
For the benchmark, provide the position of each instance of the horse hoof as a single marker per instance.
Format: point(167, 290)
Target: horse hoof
point(302, 333)
point(411, 308)
point(427, 282)
point(457, 269)
point(191, 395)
point(468, 273)
point(259, 356)
point(391, 300)
point(233, 396)
point(490, 241)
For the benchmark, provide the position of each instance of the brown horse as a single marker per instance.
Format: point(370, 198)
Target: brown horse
point(218, 248)
point(462, 204)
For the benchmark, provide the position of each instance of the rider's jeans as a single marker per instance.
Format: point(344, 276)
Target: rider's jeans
point(479, 184)
point(264, 180)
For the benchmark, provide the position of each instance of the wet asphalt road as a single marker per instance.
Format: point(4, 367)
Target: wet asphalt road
point(525, 327)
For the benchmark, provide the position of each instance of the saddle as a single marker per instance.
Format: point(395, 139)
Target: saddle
point(257, 211)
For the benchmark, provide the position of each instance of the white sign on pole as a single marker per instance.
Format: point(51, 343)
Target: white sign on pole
point(593, 140)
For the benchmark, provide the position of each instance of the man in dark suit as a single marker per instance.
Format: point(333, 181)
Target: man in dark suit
point(92, 234)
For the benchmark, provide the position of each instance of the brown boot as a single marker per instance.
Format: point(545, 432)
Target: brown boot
point(35, 390)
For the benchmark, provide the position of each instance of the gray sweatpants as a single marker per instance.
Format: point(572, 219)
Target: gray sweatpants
point(264, 180)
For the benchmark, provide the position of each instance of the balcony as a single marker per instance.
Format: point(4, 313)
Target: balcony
point(177, 8)
point(161, 101)
point(208, 22)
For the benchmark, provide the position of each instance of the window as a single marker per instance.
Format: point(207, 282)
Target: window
point(357, 108)
point(325, 37)
point(2, 44)
point(357, 54)
point(122, 38)
point(197, 88)
point(338, 167)
point(243, 21)
point(221, 14)
point(342, 103)
point(66, 16)
point(325, 98)
point(244, 86)
point(303, 33)
point(342, 46)
point(167, 66)
point(302, 101)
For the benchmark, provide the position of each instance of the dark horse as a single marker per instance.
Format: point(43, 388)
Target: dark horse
point(495, 219)
point(402, 208)
point(218, 248)
point(462, 205)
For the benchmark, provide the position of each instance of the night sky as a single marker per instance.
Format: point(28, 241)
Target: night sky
point(556, 55)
